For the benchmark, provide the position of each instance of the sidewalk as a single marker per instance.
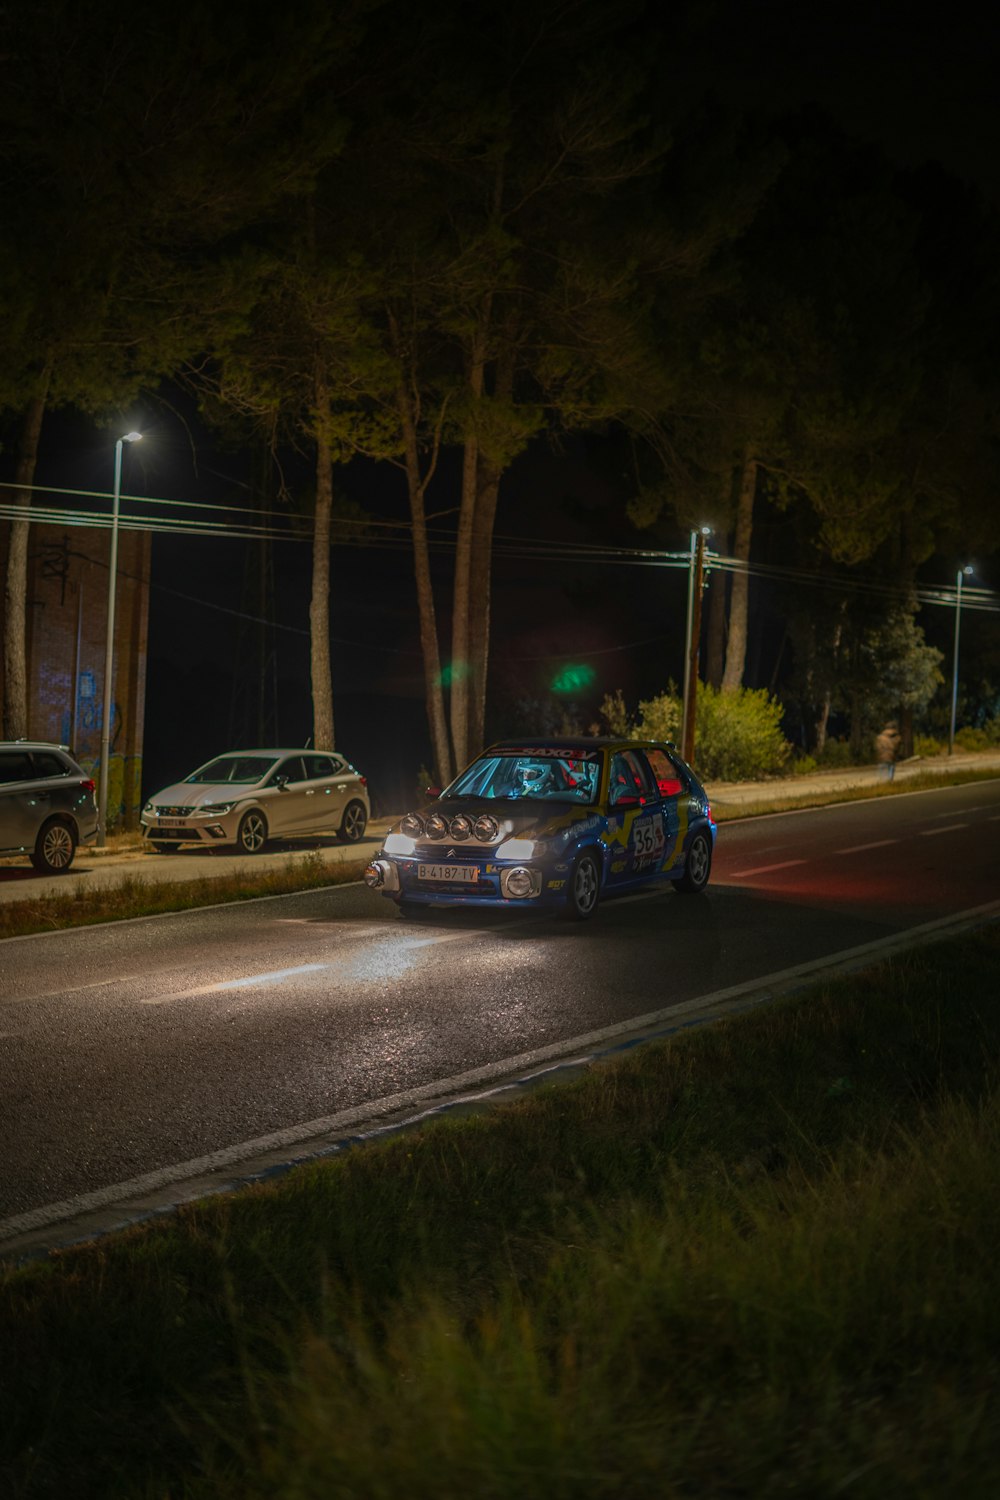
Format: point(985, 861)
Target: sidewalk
point(732, 795)
point(94, 868)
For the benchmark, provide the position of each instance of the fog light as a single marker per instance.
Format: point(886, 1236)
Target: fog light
point(382, 875)
point(519, 882)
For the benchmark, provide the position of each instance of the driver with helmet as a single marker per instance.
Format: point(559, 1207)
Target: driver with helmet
point(534, 780)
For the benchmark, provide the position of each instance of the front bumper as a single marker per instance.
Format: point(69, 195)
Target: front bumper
point(211, 829)
point(473, 883)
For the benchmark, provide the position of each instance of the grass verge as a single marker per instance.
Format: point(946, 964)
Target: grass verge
point(757, 1259)
point(135, 896)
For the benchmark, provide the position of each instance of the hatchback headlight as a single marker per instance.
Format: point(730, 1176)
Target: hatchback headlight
point(412, 825)
point(436, 827)
point(215, 808)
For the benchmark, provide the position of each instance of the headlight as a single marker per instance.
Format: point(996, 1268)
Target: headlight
point(412, 825)
point(486, 829)
point(214, 808)
point(398, 843)
point(148, 808)
point(461, 828)
point(521, 849)
point(436, 827)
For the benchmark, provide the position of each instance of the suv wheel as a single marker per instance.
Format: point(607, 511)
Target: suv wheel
point(54, 848)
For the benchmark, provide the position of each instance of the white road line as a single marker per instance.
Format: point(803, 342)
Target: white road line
point(378, 934)
point(928, 833)
point(860, 848)
point(766, 869)
point(965, 810)
point(275, 977)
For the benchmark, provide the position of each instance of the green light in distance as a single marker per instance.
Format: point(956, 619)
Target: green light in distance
point(573, 678)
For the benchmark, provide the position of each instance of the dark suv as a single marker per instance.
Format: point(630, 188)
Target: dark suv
point(47, 804)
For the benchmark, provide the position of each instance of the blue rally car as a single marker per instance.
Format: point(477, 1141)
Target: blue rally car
point(553, 823)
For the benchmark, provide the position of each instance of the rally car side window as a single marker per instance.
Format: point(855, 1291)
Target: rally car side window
point(665, 773)
point(630, 778)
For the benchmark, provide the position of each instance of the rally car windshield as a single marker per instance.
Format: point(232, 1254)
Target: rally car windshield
point(544, 778)
point(245, 769)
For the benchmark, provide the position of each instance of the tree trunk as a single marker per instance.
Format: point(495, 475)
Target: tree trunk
point(15, 656)
point(822, 722)
point(488, 493)
point(417, 485)
point(319, 606)
point(460, 642)
point(905, 733)
point(479, 600)
point(736, 647)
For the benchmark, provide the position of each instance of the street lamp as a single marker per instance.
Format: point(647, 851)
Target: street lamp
point(962, 573)
point(102, 794)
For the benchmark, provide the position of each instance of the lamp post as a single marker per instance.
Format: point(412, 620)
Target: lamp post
point(109, 654)
point(962, 573)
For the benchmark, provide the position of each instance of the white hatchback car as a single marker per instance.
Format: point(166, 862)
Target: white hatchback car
point(249, 796)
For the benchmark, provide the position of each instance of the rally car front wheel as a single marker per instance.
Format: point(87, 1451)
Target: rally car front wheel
point(584, 889)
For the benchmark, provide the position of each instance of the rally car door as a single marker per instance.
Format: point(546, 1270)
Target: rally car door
point(639, 821)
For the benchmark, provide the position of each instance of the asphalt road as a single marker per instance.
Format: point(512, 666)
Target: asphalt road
point(150, 1052)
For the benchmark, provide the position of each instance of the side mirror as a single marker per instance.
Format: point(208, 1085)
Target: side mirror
point(432, 793)
point(281, 782)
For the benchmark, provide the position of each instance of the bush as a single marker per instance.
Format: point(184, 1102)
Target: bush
point(737, 738)
point(739, 735)
point(972, 739)
point(926, 745)
point(836, 754)
point(804, 765)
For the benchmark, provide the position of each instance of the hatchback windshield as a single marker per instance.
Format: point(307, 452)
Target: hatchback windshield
point(535, 775)
point(242, 768)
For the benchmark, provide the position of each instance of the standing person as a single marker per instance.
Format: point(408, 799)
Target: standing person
point(886, 746)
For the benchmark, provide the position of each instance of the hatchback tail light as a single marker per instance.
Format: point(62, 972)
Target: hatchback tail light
point(88, 786)
point(363, 780)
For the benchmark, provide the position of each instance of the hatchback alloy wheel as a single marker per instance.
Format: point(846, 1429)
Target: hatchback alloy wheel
point(252, 834)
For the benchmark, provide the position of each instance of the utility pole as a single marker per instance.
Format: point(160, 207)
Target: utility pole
point(962, 573)
point(695, 577)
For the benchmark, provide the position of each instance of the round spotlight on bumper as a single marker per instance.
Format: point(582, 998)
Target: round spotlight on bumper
point(518, 882)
